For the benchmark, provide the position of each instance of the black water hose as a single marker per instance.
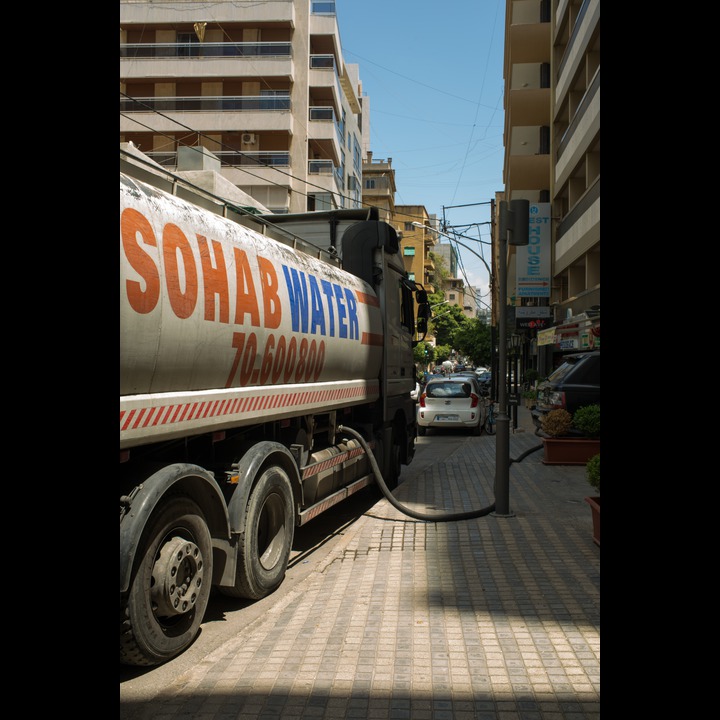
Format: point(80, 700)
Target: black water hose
point(438, 517)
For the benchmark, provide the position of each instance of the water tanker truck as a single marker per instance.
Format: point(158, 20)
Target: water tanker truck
point(245, 347)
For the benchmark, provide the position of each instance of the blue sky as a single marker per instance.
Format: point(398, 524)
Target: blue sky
point(433, 72)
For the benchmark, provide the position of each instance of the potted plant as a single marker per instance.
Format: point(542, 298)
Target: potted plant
point(529, 394)
point(566, 440)
point(556, 423)
point(530, 397)
point(592, 470)
point(586, 420)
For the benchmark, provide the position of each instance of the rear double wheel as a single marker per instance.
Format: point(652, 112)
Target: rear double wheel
point(264, 547)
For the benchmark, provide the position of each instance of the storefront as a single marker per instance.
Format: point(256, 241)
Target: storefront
point(575, 334)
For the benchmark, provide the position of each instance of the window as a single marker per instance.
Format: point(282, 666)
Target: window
point(369, 183)
point(409, 227)
point(451, 296)
point(188, 45)
point(408, 251)
point(319, 201)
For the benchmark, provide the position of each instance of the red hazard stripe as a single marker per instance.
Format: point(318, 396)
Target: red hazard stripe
point(368, 299)
point(311, 470)
point(164, 415)
point(371, 339)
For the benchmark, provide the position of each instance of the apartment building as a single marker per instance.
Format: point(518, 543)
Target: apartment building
point(262, 86)
point(416, 242)
point(378, 179)
point(552, 159)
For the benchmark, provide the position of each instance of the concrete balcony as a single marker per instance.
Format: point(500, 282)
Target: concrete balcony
point(255, 175)
point(278, 12)
point(325, 85)
point(324, 135)
point(529, 35)
point(529, 106)
point(210, 122)
point(174, 69)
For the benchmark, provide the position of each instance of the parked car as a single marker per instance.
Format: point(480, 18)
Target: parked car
point(574, 384)
point(451, 402)
point(485, 379)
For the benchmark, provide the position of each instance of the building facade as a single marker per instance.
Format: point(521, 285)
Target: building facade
point(416, 243)
point(552, 159)
point(378, 178)
point(262, 86)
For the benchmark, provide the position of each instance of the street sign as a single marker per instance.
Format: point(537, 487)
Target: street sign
point(532, 275)
point(539, 311)
point(532, 323)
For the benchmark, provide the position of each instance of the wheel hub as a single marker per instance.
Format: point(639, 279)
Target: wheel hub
point(177, 577)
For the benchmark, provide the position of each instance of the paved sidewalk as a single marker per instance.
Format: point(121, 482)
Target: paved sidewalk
point(483, 619)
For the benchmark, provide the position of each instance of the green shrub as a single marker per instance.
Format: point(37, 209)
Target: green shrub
point(557, 423)
point(593, 471)
point(587, 420)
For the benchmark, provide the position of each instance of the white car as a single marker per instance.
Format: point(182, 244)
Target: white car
point(453, 402)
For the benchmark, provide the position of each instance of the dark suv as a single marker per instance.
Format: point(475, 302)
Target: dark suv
point(573, 384)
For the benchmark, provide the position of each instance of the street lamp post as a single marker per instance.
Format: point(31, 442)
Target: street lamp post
point(514, 227)
point(515, 345)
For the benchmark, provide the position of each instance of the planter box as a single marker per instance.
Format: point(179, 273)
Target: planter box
point(594, 503)
point(569, 451)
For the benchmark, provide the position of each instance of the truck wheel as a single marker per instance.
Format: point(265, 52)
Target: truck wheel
point(395, 462)
point(170, 589)
point(264, 548)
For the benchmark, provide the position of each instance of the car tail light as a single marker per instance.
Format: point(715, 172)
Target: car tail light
point(422, 400)
point(556, 399)
point(474, 400)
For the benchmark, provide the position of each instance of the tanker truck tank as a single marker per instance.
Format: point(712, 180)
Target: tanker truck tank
point(215, 312)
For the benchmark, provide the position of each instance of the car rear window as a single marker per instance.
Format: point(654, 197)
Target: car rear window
point(449, 390)
point(584, 370)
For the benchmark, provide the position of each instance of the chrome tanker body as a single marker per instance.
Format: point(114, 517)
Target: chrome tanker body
point(240, 355)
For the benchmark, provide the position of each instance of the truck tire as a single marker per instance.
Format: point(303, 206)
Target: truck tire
point(264, 548)
point(169, 592)
point(395, 459)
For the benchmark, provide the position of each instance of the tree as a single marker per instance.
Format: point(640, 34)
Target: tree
point(423, 354)
point(447, 323)
point(442, 352)
point(440, 273)
point(474, 340)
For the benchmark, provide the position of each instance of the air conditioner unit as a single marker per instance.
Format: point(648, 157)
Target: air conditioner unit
point(248, 138)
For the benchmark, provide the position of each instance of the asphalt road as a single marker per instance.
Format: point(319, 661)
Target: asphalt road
point(225, 616)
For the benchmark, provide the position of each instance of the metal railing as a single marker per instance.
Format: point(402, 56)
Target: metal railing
point(205, 103)
point(322, 113)
point(271, 158)
point(320, 7)
point(322, 62)
point(321, 167)
point(206, 49)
